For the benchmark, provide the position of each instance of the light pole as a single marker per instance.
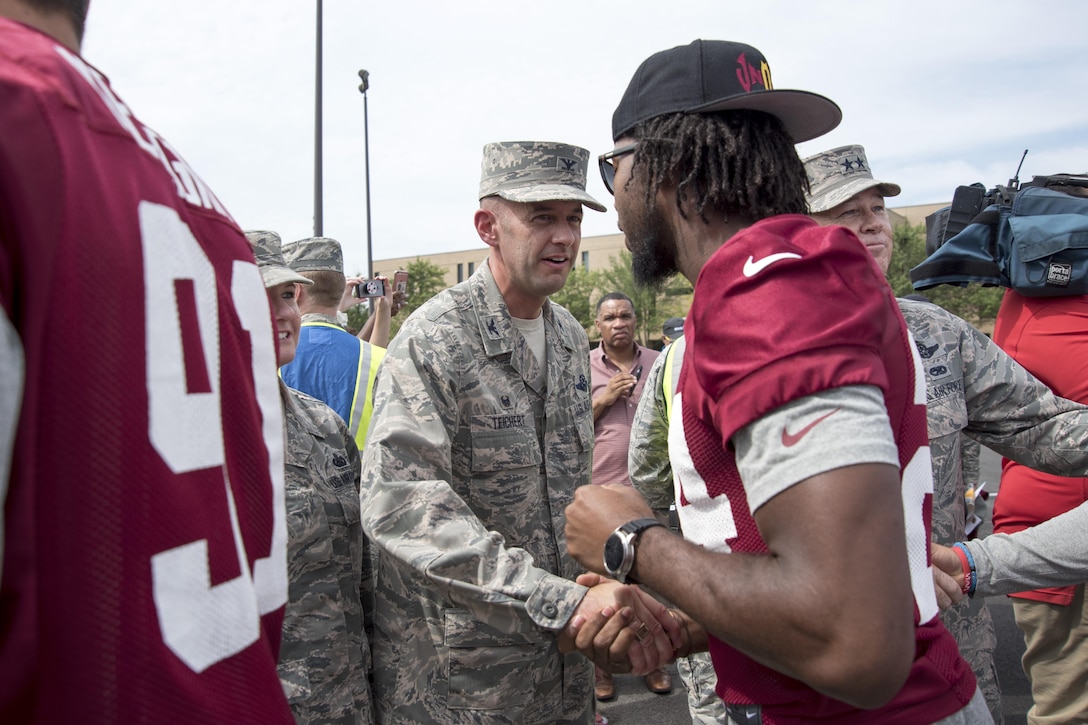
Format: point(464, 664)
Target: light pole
point(317, 131)
point(363, 87)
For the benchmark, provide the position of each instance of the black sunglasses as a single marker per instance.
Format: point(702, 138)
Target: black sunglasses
point(608, 171)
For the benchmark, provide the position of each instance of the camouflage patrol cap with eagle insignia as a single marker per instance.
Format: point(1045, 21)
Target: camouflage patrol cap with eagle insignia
point(528, 171)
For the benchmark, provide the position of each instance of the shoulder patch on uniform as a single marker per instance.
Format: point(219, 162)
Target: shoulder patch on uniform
point(925, 349)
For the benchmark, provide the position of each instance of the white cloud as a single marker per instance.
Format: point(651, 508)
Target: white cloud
point(939, 93)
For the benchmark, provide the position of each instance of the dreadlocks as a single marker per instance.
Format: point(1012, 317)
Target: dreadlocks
point(732, 162)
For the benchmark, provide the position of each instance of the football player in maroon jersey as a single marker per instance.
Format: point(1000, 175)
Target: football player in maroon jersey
point(141, 450)
point(798, 432)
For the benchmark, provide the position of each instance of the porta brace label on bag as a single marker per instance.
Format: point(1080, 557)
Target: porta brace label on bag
point(1037, 246)
point(1046, 235)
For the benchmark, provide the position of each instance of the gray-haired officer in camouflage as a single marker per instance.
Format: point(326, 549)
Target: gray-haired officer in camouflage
point(324, 656)
point(972, 387)
point(482, 429)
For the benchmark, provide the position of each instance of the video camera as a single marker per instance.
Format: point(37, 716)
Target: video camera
point(1032, 238)
point(969, 203)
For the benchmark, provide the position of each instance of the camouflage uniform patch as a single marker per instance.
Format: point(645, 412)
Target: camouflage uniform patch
point(467, 470)
point(324, 655)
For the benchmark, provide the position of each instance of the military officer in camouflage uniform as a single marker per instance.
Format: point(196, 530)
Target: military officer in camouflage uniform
point(482, 429)
point(324, 655)
point(972, 387)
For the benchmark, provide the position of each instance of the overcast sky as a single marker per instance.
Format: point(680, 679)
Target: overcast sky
point(939, 93)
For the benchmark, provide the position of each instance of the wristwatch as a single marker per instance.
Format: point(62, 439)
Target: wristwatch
point(619, 548)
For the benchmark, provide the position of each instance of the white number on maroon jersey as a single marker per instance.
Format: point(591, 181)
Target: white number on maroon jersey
point(917, 488)
point(917, 492)
point(200, 622)
point(707, 521)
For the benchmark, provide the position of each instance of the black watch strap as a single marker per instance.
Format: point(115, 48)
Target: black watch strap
point(637, 526)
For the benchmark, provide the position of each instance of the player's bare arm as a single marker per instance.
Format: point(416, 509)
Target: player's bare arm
point(802, 610)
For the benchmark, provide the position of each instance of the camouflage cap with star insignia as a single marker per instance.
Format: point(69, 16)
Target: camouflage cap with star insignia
point(536, 171)
point(316, 254)
point(269, 254)
point(836, 175)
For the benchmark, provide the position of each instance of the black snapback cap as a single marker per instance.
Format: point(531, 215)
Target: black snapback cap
point(719, 75)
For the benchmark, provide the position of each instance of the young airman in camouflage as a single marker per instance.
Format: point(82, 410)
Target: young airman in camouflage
point(973, 388)
point(482, 429)
point(331, 364)
point(324, 656)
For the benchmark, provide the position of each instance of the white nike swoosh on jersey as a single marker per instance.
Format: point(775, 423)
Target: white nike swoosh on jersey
point(752, 267)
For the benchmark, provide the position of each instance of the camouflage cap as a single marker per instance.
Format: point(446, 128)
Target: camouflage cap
point(267, 250)
point(836, 175)
point(536, 171)
point(316, 254)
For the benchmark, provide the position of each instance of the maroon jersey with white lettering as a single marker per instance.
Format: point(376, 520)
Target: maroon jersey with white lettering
point(783, 310)
point(144, 537)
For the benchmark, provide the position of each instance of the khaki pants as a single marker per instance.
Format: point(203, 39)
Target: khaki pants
point(1055, 658)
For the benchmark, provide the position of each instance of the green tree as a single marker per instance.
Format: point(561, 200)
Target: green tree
point(974, 303)
point(653, 305)
point(576, 295)
point(908, 250)
point(425, 280)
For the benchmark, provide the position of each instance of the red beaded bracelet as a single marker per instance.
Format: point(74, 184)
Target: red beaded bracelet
point(968, 573)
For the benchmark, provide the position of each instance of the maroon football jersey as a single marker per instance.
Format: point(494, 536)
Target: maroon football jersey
point(144, 539)
point(783, 310)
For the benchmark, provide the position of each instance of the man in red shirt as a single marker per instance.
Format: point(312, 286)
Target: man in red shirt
point(1048, 336)
point(141, 447)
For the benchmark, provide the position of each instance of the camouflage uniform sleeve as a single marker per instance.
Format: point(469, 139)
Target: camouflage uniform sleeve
point(1015, 414)
point(411, 511)
point(970, 451)
point(324, 655)
point(648, 458)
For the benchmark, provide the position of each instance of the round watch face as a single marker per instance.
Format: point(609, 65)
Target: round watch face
point(613, 553)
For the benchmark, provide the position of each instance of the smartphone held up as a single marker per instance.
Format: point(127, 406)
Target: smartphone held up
point(369, 288)
point(400, 281)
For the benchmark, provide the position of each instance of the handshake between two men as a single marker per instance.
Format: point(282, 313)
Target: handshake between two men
point(620, 627)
